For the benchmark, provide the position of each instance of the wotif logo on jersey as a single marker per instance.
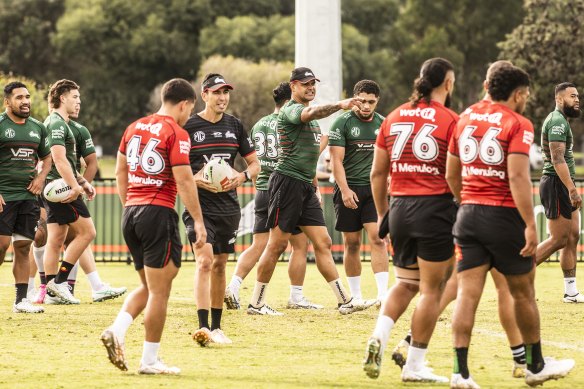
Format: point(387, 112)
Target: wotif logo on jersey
point(492, 118)
point(424, 113)
point(152, 128)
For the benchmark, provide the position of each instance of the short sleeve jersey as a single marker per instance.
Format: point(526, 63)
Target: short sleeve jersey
point(299, 143)
point(152, 146)
point(485, 136)
point(83, 141)
point(21, 146)
point(60, 134)
point(358, 137)
point(224, 139)
point(557, 129)
point(416, 139)
point(265, 138)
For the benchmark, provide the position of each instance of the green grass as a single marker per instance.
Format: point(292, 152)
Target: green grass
point(61, 348)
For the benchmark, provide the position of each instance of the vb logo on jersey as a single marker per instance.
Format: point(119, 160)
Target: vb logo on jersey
point(9, 133)
point(199, 136)
point(355, 131)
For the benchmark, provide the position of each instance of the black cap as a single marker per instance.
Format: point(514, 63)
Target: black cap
point(303, 75)
point(215, 82)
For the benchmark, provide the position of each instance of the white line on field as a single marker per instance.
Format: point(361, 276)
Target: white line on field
point(501, 335)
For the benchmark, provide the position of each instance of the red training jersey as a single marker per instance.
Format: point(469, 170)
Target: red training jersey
point(484, 137)
point(152, 146)
point(416, 139)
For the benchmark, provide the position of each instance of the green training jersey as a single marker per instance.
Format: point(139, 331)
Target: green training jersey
point(265, 138)
point(556, 129)
point(83, 142)
point(299, 143)
point(21, 146)
point(59, 133)
point(358, 138)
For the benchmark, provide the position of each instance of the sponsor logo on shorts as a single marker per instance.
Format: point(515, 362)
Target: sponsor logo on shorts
point(414, 168)
point(9, 133)
point(199, 136)
point(33, 134)
point(424, 113)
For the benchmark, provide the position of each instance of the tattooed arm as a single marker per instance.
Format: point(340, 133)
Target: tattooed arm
point(557, 151)
point(322, 111)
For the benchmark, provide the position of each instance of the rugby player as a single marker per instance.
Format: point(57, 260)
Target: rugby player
point(152, 164)
point(351, 143)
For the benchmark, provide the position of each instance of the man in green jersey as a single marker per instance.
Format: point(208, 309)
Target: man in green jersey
point(352, 142)
point(558, 193)
point(22, 143)
point(293, 201)
point(71, 213)
point(265, 136)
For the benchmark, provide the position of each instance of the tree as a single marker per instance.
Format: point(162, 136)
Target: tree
point(27, 26)
point(548, 46)
point(370, 16)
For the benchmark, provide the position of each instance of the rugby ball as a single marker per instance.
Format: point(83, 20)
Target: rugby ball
point(218, 173)
point(57, 190)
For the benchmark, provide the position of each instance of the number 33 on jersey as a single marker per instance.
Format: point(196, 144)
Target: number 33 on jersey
point(416, 139)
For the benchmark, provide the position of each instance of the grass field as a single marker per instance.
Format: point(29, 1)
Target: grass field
point(61, 348)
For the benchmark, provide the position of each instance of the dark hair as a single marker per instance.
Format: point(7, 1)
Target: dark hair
point(366, 86)
point(432, 75)
point(496, 66)
point(177, 90)
point(505, 81)
point(58, 89)
point(281, 93)
point(10, 87)
point(563, 86)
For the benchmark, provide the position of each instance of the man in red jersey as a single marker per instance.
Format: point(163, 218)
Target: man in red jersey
point(153, 162)
point(488, 172)
point(411, 147)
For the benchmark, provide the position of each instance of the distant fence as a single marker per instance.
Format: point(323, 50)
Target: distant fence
point(109, 245)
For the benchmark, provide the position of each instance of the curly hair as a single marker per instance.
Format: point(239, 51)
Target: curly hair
point(281, 93)
point(505, 81)
point(367, 86)
point(58, 89)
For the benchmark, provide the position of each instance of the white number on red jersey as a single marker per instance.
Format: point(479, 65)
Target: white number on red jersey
point(489, 149)
point(424, 146)
point(151, 161)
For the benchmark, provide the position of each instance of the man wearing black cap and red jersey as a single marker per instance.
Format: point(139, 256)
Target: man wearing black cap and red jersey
point(216, 134)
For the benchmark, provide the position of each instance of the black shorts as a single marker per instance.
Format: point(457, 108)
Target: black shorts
point(260, 225)
point(421, 226)
point(491, 235)
point(20, 217)
point(352, 220)
point(555, 197)
point(40, 202)
point(293, 203)
point(221, 231)
point(66, 213)
point(152, 235)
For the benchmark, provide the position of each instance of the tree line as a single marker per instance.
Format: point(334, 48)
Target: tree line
point(120, 51)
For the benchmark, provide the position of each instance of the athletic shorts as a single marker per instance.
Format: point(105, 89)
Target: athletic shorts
point(421, 226)
point(260, 225)
point(152, 235)
point(352, 220)
point(490, 235)
point(40, 201)
point(20, 217)
point(293, 203)
point(221, 231)
point(66, 213)
point(555, 197)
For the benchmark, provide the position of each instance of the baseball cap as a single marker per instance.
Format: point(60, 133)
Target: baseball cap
point(215, 82)
point(303, 75)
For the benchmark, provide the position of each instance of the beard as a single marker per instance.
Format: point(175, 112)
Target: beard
point(22, 115)
point(448, 101)
point(571, 112)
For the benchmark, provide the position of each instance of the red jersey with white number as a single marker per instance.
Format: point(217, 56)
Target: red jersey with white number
point(152, 146)
point(416, 139)
point(484, 137)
